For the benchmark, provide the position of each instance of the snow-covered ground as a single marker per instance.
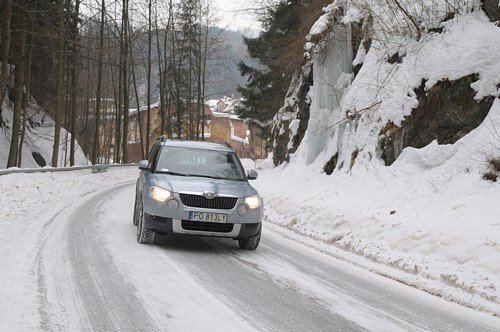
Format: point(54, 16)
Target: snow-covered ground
point(429, 220)
point(421, 228)
point(28, 203)
point(70, 262)
point(39, 138)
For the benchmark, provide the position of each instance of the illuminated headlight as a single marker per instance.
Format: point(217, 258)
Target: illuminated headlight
point(253, 202)
point(159, 194)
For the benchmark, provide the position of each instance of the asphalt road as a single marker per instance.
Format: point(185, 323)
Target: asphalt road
point(108, 282)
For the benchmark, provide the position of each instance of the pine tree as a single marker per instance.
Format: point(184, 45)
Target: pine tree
point(266, 86)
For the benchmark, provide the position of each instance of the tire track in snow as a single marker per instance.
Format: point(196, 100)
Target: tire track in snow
point(109, 300)
point(46, 322)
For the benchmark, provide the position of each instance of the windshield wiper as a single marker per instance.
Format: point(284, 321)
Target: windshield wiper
point(173, 173)
point(204, 176)
point(214, 177)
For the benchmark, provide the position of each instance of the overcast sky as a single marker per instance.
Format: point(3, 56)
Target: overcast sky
point(233, 15)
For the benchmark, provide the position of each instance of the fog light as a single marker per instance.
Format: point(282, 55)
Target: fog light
point(242, 210)
point(172, 204)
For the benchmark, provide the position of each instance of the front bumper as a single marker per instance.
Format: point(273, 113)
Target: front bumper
point(161, 218)
point(179, 226)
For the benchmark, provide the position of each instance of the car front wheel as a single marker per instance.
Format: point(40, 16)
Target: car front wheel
point(250, 243)
point(144, 234)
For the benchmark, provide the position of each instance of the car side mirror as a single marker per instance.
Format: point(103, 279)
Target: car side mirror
point(252, 174)
point(143, 165)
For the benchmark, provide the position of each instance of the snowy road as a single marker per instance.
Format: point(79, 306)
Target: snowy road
point(92, 275)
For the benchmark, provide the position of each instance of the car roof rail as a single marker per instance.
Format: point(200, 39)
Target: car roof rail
point(222, 142)
point(162, 138)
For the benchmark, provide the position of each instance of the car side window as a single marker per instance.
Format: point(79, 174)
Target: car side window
point(152, 156)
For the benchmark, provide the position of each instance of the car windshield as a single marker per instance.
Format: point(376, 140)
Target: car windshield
point(199, 162)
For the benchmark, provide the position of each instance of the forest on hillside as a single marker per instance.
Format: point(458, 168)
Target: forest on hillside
point(87, 63)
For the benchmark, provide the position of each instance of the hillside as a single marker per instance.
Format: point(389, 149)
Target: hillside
point(388, 144)
point(39, 139)
point(222, 77)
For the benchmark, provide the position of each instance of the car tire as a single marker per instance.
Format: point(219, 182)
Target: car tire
point(135, 219)
point(250, 243)
point(144, 234)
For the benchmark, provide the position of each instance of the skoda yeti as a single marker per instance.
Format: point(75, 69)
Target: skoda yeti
point(196, 188)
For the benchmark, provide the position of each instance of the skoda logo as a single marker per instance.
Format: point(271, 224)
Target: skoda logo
point(209, 194)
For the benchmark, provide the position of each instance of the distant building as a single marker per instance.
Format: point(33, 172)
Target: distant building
point(221, 105)
point(224, 125)
point(138, 122)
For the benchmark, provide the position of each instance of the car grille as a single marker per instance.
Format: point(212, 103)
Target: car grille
point(223, 203)
point(206, 226)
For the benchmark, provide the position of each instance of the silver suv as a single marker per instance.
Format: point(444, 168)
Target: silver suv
point(197, 188)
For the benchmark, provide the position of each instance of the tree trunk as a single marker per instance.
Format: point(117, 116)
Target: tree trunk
point(87, 109)
point(119, 103)
point(161, 109)
point(148, 97)
point(206, 46)
point(60, 85)
point(125, 82)
point(26, 99)
point(5, 52)
point(74, 80)
point(97, 105)
point(176, 65)
point(165, 85)
point(139, 121)
point(199, 74)
point(20, 68)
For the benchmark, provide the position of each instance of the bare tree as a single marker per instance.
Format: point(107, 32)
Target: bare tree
point(74, 80)
point(61, 36)
point(27, 95)
point(97, 104)
point(125, 22)
point(148, 75)
point(5, 52)
point(20, 69)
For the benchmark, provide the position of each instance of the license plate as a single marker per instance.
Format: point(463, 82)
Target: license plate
point(208, 217)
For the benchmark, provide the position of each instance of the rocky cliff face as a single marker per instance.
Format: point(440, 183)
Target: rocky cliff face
point(368, 88)
point(446, 113)
point(290, 124)
point(330, 40)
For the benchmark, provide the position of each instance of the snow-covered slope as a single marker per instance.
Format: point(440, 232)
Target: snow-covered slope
point(430, 218)
point(39, 139)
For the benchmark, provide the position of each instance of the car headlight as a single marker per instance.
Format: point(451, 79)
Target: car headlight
point(159, 194)
point(253, 202)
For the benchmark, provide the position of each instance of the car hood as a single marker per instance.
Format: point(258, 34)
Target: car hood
point(199, 185)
